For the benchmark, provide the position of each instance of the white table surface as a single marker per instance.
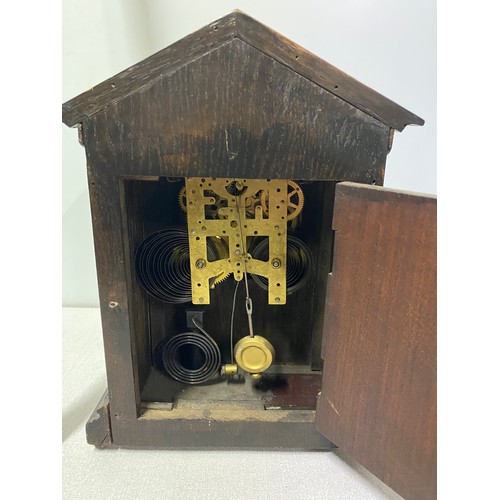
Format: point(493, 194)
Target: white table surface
point(89, 473)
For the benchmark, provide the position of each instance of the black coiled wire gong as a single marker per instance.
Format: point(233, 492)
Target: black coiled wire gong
point(299, 263)
point(162, 265)
point(191, 358)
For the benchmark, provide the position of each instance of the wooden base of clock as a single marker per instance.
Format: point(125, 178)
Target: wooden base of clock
point(278, 412)
point(98, 426)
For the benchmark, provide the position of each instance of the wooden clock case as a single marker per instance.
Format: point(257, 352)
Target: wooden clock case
point(355, 348)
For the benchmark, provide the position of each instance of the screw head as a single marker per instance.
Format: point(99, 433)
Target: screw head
point(276, 263)
point(200, 264)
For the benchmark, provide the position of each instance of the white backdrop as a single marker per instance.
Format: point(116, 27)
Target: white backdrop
point(389, 45)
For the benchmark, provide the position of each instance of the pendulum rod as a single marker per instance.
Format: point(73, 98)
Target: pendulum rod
point(248, 300)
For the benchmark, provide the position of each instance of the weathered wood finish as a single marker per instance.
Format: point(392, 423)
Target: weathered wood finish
point(323, 74)
point(238, 112)
point(133, 233)
point(146, 72)
point(237, 25)
point(378, 399)
point(224, 427)
point(98, 427)
point(106, 193)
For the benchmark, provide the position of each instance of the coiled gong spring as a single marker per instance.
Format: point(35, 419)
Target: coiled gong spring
point(162, 265)
point(191, 358)
point(299, 263)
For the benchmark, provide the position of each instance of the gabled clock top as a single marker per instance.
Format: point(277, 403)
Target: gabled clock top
point(237, 27)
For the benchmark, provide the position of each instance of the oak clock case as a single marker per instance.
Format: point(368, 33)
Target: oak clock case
point(258, 287)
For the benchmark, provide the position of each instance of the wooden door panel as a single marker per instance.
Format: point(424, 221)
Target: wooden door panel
point(378, 397)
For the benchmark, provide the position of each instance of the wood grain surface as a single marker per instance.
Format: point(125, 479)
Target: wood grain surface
point(237, 25)
point(236, 112)
point(378, 398)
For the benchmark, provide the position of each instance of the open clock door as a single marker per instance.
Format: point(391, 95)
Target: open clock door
point(378, 396)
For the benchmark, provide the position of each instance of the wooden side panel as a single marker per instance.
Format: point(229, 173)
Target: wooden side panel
point(378, 399)
point(106, 196)
point(133, 233)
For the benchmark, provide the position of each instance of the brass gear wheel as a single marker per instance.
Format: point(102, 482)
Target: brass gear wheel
point(295, 223)
point(219, 279)
point(222, 252)
point(295, 202)
point(250, 203)
point(182, 199)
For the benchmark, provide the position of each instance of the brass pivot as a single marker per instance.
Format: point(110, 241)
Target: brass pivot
point(254, 354)
point(229, 369)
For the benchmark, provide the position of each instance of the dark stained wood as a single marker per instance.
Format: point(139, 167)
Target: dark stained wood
point(238, 112)
point(218, 425)
point(145, 73)
point(212, 37)
point(291, 391)
point(133, 234)
point(117, 324)
point(223, 428)
point(323, 74)
point(378, 399)
point(322, 246)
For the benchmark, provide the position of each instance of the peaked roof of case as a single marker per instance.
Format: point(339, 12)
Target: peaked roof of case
point(213, 36)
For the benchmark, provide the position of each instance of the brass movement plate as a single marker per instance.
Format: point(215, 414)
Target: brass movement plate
point(212, 212)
